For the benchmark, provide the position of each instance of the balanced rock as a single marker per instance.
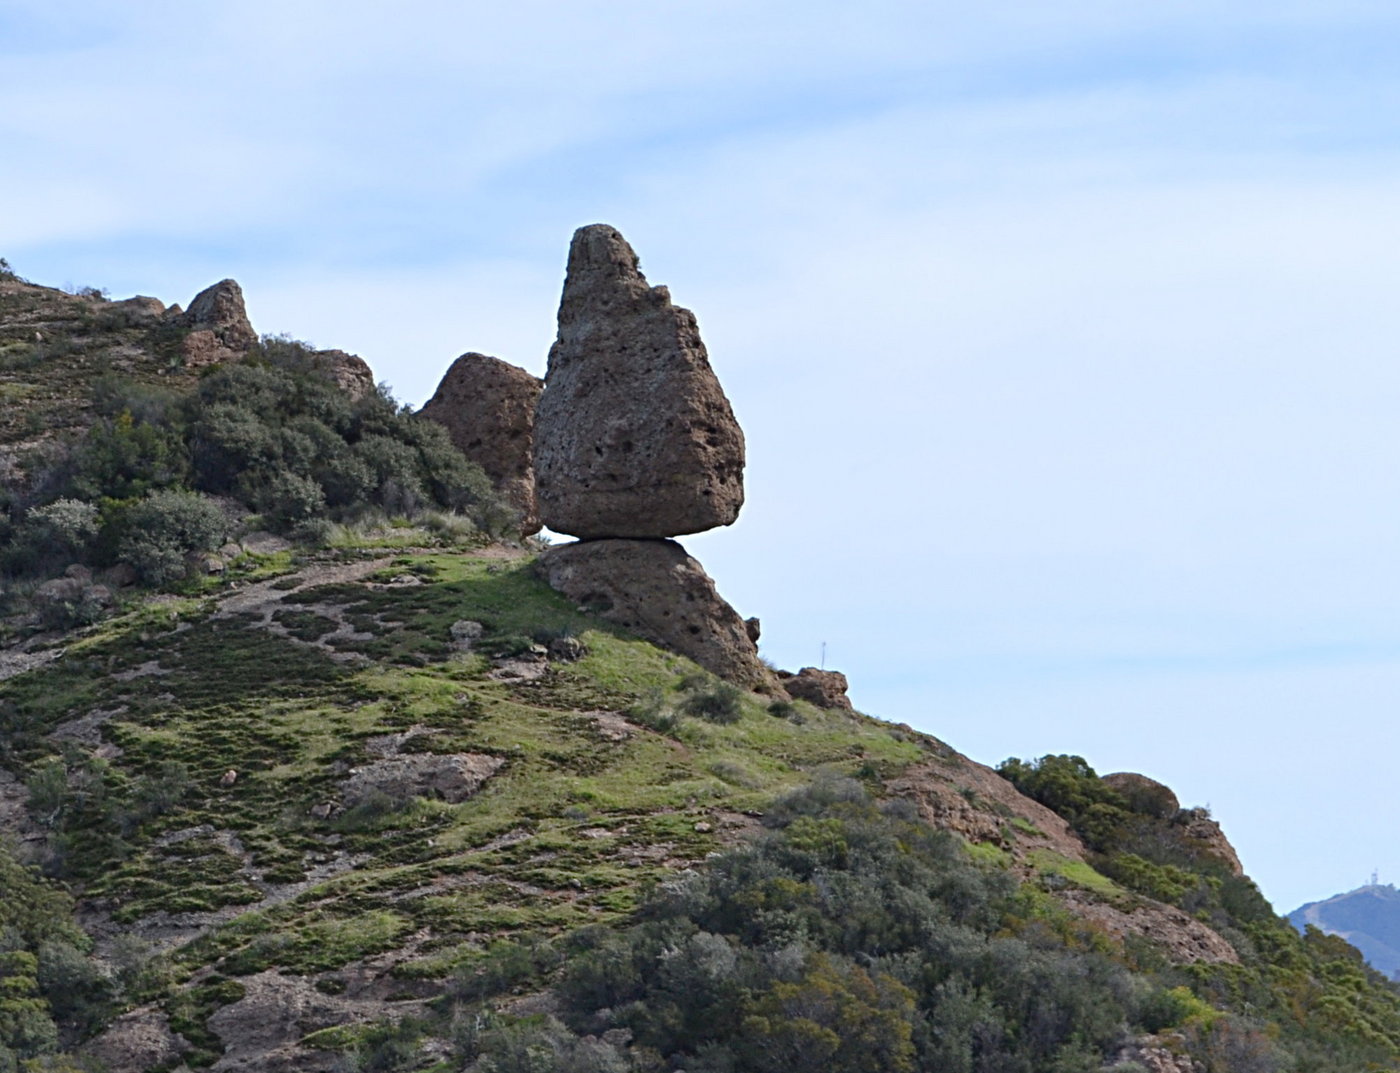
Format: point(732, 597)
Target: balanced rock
point(218, 325)
point(488, 408)
point(633, 435)
point(656, 590)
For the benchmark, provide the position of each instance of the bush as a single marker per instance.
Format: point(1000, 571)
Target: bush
point(719, 702)
point(52, 536)
point(159, 532)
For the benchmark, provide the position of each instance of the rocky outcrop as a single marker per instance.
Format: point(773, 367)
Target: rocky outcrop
point(634, 436)
point(136, 1042)
point(954, 793)
point(656, 590)
point(453, 778)
point(1155, 1054)
point(218, 326)
point(488, 408)
point(349, 372)
point(825, 689)
point(1205, 834)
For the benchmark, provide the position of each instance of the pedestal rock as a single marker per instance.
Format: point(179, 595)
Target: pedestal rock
point(656, 590)
point(633, 434)
point(488, 408)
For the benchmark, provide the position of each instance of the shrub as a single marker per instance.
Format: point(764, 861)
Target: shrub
point(719, 702)
point(53, 535)
point(159, 532)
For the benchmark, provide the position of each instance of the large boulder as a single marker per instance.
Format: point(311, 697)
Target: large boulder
point(656, 590)
point(825, 689)
point(488, 408)
point(218, 325)
point(633, 435)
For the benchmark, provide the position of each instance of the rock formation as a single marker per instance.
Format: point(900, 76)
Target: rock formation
point(633, 435)
point(218, 325)
point(656, 590)
point(825, 689)
point(488, 408)
point(635, 442)
point(349, 372)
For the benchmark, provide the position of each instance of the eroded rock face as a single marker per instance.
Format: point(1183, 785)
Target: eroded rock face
point(488, 408)
point(656, 590)
point(634, 436)
point(218, 325)
point(825, 689)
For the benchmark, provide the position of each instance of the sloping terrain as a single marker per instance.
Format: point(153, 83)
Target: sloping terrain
point(1367, 917)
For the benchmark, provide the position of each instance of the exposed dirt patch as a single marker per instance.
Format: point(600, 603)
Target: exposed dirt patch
point(1181, 937)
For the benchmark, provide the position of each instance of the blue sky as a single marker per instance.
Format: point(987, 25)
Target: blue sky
point(1063, 335)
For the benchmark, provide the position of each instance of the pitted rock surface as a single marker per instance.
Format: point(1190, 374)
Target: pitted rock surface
point(634, 436)
point(656, 590)
point(488, 408)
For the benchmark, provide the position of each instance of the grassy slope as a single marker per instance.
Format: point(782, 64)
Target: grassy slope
point(569, 832)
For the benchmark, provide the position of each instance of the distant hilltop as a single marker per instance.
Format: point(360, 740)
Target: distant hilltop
point(1367, 917)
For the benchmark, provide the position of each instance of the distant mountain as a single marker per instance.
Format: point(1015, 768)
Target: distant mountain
point(1367, 917)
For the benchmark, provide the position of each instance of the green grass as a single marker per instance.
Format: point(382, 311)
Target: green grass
point(1079, 874)
point(569, 832)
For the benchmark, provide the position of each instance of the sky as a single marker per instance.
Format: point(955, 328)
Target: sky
point(1063, 336)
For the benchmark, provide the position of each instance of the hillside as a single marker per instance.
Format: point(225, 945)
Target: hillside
point(336, 779)
point(1367, 917)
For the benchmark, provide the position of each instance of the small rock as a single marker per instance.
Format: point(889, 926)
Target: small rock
point(228, 778)
point(703, 828)
point(322, 811)
point(465, 633)
point(753, 628)
point(78, 572)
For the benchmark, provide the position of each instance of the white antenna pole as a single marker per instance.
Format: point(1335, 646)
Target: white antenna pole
point(823, 667)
